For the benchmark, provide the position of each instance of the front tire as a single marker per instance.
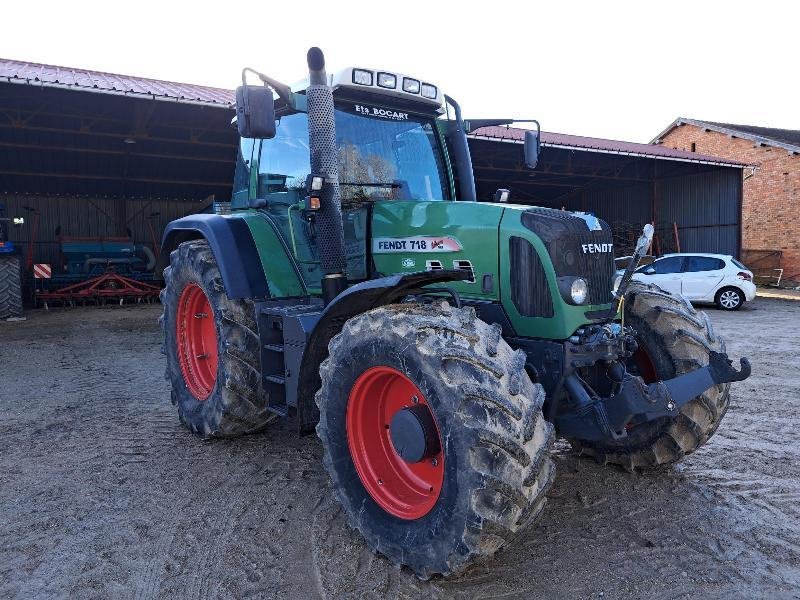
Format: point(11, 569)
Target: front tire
point(483, 480)
point(673, 339)
point(212, 348)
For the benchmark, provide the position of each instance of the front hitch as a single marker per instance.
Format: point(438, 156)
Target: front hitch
point(597, 419)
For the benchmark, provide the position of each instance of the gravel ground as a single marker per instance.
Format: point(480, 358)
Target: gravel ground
point(104, 494)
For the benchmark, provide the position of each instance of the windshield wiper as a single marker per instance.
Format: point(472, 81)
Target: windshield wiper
point(365, 184)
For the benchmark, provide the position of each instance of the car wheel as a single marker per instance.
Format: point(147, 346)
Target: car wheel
point(730, 298)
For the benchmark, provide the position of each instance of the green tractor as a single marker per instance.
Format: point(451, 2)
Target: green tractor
point(437, 344)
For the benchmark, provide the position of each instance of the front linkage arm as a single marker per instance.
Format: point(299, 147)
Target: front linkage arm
point(599, 419)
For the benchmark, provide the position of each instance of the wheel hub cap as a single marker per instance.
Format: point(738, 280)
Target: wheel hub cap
point(413, 434)
point(197, 342)
point(729, 299)
point(394, 442)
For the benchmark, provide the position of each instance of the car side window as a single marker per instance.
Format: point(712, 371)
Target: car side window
point(697, 264)
point(664, 266)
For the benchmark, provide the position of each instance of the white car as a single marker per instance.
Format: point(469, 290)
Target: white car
point(703, 278)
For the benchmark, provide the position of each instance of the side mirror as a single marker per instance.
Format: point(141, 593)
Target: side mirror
point(532, 146)
point(650, 271)
point(255, 112)
point(502, 195)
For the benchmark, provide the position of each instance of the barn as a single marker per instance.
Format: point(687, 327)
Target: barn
point(105, 161)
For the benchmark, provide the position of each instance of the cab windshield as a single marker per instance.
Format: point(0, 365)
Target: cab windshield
point(384, 154)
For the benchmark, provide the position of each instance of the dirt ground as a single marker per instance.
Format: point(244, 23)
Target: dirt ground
point(104, 494)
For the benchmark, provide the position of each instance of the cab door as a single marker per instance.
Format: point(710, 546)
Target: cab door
point(701, 276)
point(278, 171)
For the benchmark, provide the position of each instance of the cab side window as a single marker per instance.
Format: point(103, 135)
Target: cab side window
point(697, 264)
point(241, 176)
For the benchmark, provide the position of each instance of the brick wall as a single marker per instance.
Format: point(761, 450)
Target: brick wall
point(771, 204)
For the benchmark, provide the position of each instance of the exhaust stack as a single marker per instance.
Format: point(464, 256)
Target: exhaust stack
point(324, 162)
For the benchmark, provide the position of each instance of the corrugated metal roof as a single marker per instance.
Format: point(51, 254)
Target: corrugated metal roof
point(15, 71)
point(579, 142)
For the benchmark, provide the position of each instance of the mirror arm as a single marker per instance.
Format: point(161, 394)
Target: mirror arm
point(284, 91)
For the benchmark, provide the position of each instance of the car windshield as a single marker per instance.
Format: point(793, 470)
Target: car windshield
point(383, 154)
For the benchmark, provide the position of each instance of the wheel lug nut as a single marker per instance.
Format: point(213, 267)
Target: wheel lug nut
point(415, 399)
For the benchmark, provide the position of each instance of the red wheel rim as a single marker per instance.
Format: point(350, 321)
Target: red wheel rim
point(197, 341)
point(405, 490)
point(647, 369)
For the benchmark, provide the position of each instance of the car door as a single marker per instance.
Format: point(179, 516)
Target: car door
point(701, 276)
point(664, 272)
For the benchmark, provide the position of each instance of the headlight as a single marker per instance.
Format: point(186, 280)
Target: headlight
point(428, 91)
point(579, 290)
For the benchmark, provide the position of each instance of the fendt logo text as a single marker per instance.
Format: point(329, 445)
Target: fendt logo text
point(595, 248)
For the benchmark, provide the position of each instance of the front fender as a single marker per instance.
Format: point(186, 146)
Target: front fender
point(231, 242)
point(353, 301)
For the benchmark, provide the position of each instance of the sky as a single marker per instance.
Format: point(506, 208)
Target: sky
point(619, 70)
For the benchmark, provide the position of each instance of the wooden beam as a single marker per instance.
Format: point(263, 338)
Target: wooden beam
point(114, 152)
point(118, 136)
point(103, 118)
point(522, 171)
point(117, 178)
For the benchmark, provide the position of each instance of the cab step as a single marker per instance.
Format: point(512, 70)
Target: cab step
point(284, 328)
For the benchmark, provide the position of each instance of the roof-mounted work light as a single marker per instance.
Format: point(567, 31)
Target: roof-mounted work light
point(410, 85)
point(428, 91)
point(362, 77)
point(387, 80)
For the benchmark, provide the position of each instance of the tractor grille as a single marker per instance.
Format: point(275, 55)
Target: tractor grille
point(575, 249)
point(529, 290)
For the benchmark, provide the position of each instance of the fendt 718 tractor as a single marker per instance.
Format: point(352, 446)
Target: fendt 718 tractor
point(436, 343)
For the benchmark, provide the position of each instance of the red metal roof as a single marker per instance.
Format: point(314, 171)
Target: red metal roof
point(563, 140)
point(15, 71)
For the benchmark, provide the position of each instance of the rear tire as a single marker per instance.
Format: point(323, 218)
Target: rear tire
point(227, 401)
point(10, 287)
point(495, 444)
point(676, 339)
point(729, 298)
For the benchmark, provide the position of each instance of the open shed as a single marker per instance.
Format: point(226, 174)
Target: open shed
point(95, 155)
point(693, 200)
point(104, 156)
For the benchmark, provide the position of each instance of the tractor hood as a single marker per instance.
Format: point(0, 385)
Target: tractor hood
point(526, 258)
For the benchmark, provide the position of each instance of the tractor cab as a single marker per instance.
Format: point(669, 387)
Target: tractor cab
point(391, 147)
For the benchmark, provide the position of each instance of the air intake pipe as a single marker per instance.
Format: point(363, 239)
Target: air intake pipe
point(324, 162)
